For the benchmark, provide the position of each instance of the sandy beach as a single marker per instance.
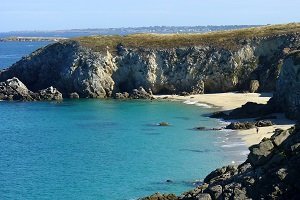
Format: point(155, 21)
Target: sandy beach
point(229, 101)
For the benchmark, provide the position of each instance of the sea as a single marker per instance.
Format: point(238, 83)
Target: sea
point(106, 149)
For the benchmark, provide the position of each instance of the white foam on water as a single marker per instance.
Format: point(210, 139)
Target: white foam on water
point(203, 105)
point(244, 153)
point(237, 144)
point(223, 122)
point(227, 131)
point(190, 102)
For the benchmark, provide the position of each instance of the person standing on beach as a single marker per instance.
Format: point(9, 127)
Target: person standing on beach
point(257, 129)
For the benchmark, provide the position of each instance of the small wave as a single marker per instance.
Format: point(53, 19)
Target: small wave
point(233, 145)
point(227, 131)
point(203, 105)
point(190, 102)
point(223, 122)
point(244, 153)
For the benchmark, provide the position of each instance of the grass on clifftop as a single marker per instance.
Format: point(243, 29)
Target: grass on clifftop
point(222, 39)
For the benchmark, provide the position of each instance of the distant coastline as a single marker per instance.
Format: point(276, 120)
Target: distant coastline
point(32, 39)
point(120, 31)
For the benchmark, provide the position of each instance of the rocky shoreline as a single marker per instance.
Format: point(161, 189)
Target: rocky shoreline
point(270, 172)
point(14, 89)
point(220, 62)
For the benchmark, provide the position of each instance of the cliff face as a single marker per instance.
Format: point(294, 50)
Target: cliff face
point(72, 67)
point(67, 66)
point(194, 68)
point(287, 95)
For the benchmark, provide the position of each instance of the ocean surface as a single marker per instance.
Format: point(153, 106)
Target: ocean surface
point(11, 52)
point(105, 149)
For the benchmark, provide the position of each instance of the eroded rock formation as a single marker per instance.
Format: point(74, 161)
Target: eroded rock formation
point(72, 67)
point(14, 89)
point(287, 95)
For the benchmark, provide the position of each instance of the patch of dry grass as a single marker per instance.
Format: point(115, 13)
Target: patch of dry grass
point(221, 39)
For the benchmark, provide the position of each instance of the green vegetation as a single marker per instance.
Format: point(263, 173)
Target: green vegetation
point(222, 39)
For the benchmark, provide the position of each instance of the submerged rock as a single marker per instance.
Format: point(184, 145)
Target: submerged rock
point(163, 124)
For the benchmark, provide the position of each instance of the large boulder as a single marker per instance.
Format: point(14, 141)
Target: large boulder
point(261, 152)
point(254, 85)
point(252, 110)
point(14, 89)
point(240, 125)
point(140, 94)
point(159, 196)
point(49, 94)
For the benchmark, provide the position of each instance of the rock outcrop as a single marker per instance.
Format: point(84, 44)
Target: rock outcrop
point(66, 66)
point(254, 85)
point(226, 62)
point(270, 172)
point(49, 94)
point(287, 95)
point(140, 93)
point(249, 110)
point(14, 89)
point(248, 125)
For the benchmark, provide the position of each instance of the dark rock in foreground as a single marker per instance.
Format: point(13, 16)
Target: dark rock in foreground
point(14, 89)
point(252, 110)
point(270, 172)
point(158, 196)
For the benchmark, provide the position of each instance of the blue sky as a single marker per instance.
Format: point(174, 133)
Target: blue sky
point(67, 14)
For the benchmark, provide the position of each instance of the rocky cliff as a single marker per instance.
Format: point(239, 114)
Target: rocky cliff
point(99, 67)
point(287, 95)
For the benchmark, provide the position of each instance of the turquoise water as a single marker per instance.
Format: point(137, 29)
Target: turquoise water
point(104, 149)
point(11, 52)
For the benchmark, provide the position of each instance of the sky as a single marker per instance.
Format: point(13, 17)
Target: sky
point(69, 14)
